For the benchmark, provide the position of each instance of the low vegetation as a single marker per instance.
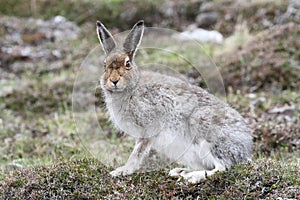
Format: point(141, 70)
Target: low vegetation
point(87, 178)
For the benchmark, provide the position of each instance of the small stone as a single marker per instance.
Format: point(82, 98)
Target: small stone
point(200, 35)
point(207, 7)
point(207, 19)
point(292, 13)
point(193, 74)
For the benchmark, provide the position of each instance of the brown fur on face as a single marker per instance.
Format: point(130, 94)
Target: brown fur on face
point(118, 76)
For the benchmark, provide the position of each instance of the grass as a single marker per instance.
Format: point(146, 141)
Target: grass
point(267, 62)
point(50, 151)
point(87, 178)
point(110, 12)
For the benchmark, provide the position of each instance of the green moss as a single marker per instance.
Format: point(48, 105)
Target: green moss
point(40, 95)
point(87, 178)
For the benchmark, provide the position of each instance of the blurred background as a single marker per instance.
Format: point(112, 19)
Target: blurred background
point(255, 45)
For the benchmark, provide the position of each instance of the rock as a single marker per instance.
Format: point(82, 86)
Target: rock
point(200, 35)
point(193, 73)
point(292, 13)
point(33, 31)
point(207, 19)
point(207, 7)
point(283, 109)
point(129, 14)
point(34, 38)
point(191, 27)
point(59, 28)
point(28, 44)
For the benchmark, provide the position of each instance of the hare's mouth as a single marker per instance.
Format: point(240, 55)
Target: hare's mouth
point(114, 89)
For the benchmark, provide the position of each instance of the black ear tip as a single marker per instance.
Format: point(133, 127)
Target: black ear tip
point(98, 23)
point(140, 23)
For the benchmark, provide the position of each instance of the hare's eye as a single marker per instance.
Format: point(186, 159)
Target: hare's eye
point(128, 64)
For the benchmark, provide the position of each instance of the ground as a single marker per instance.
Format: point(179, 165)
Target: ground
point(42, 151)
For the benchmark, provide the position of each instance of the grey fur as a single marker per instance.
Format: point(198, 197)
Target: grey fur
point(206, 134)
point(106, 38)
point(133, 39)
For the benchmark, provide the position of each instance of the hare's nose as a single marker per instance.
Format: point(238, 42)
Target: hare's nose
point(114, 81)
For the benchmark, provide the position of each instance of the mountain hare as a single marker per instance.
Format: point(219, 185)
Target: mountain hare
point(180, 121)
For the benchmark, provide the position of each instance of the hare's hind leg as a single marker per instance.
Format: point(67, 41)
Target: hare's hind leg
point(176, 172)
point(194, 176)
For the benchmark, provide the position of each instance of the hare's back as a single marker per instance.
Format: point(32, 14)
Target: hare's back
point(175, 97)
point(151, 77)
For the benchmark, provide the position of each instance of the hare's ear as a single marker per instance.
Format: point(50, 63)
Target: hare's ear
point(105, 38)
point(134, 39)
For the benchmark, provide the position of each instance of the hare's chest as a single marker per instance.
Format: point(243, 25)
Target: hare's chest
point(123, 119)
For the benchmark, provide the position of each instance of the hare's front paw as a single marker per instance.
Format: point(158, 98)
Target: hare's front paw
point(124, 170)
